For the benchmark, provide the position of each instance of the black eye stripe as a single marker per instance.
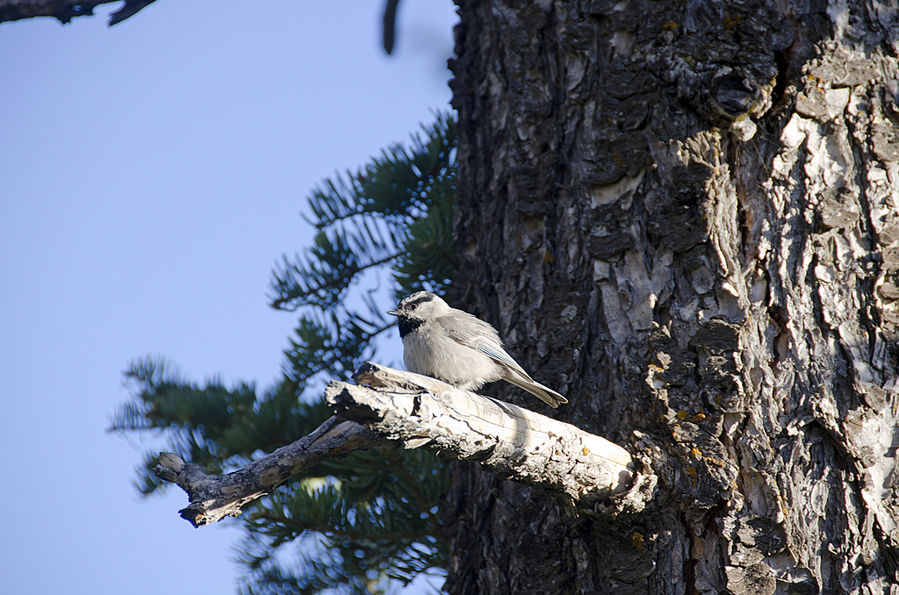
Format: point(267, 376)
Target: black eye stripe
point(419, 300)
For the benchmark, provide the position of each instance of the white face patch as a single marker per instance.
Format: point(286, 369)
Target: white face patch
point(415, 300)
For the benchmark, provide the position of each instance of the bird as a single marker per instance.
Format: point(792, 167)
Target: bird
point(458, 348)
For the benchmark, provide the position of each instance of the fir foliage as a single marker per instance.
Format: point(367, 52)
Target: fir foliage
point(381, 233)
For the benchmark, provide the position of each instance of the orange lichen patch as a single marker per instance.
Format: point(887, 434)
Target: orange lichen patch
point(695, 453)
point(699, 416)
point(691, 471)
point(682, 414)
point(731, 21)
point(637, 541)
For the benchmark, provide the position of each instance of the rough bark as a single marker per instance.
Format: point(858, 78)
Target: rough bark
point(65, 10)
point(685, 216)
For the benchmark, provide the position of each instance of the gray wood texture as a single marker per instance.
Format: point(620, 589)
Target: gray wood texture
point(587, 472)
point(506, 439)
point(215, 497)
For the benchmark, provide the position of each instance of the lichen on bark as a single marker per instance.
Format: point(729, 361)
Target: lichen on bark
point(685, 217)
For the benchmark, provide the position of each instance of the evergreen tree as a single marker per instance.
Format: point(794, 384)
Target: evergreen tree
point(381, 232)
point(685, 216)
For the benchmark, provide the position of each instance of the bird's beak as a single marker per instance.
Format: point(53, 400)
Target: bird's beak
point(393, 312)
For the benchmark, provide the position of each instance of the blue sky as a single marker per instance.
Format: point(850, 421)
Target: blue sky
point(150, 176)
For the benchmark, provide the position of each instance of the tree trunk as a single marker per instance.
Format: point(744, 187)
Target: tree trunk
point(683, 216)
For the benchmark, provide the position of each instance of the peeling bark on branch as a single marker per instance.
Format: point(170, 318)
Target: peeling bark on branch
point(506, 439)
point(421, 411)
point(214, 497)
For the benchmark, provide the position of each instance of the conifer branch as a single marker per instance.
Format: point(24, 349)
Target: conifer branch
point(300, 527)
point(423, 412)
point(281, 302)
point(340, 353)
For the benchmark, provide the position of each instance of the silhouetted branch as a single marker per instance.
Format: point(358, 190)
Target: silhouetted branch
point(66, 10)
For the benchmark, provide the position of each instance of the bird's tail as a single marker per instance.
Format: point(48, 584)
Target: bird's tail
point(544, 393)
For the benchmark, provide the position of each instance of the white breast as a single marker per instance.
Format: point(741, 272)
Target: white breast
point(440, 357)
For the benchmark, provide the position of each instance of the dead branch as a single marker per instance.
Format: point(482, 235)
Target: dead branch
point(65, 10)
point(419, 411)
point(214, 497)
point(507, 439)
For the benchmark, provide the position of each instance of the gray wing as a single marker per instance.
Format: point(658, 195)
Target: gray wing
point(472, 332)
point(465, 329)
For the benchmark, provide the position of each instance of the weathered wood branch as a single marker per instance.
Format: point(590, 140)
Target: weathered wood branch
point(420, 411)
point(507, 439)
point(214, 497)
point(66, 10)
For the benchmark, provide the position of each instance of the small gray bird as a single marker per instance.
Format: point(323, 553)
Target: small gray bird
point(458, 348)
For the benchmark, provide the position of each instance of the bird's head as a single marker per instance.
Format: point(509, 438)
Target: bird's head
point(420, 306)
